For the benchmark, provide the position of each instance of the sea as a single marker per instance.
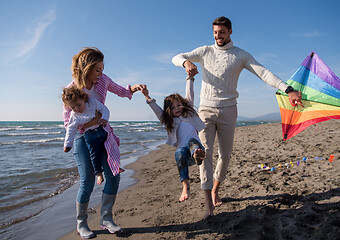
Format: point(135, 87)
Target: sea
point(39, 182)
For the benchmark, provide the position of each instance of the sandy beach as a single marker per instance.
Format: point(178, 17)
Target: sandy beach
point(297, 201)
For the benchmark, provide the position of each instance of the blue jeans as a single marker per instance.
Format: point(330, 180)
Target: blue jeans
point(184, 159)
point(95, 139)
point(86, 172)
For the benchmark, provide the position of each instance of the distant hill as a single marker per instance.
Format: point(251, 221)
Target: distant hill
point(268, 117)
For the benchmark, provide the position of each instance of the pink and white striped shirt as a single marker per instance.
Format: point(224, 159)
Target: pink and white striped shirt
point(104, 84)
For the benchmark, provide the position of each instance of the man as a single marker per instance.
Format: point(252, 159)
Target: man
point(221, 65)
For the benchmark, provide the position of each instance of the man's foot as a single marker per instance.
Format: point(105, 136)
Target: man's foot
point(214, 194)
point(199, 155)
point(100, 178)
point(209, 207)
point(208, 213)
point(186, 190)
point(216, 199)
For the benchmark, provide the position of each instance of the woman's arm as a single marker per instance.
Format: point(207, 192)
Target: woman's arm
point(119, 90)
point(94, 120)
point(104, 111)
point(66, 115)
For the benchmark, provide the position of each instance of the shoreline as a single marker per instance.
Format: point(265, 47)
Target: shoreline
point(55, 211)
point(299, 202)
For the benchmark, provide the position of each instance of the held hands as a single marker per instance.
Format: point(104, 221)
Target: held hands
point(295, 98)
point(136, 87)
point(190, 68)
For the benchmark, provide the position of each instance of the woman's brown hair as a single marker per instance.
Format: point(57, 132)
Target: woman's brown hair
point(83, 62)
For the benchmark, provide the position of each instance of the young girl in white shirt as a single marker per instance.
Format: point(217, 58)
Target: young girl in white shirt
point(83, 110)
point(182, 124)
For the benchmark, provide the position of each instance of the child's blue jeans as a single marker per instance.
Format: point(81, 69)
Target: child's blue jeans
point(184, 157)
point(95, 139)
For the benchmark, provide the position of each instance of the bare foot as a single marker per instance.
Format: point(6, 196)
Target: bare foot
point(216, 199)
point(208, 213)
point(209, 207)
point(186, 190)
point(214, 194)
point(199, 155)
point(100, 178)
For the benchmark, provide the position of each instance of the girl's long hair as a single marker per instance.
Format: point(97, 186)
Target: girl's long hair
point(167, 118)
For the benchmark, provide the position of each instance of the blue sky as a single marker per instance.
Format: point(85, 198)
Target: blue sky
point(139, 38)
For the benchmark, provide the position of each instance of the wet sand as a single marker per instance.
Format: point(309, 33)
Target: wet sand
point(299, 202)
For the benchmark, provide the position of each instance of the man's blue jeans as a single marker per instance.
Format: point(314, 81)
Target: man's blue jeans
point(184, 159)
point(86, 172)
point(95, 139)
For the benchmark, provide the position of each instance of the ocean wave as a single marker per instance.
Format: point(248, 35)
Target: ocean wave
point(24, 196)
point(19, 219)
point(38, 208)
point(22, 128)
point(6, 129)
point(145, 129)
point(32, 187)
point(30, 133)
point(33, 141)
point(142, 143)
point(132, 124)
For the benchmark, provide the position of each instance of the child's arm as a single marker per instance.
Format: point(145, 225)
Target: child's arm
point(145, 92)
point(152, 102)
point(71, 131)
point(189, 90)
point(67, 149)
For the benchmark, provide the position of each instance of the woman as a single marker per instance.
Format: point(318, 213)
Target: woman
point(87, 72)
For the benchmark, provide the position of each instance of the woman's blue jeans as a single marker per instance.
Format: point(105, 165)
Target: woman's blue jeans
point(86, 172)
point(184, 159)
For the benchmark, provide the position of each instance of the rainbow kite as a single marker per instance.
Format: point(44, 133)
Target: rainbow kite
point(320, 89)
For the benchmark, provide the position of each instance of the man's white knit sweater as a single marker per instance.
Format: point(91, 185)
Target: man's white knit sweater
point(221, 68)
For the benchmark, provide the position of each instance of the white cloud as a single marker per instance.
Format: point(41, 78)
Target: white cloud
point(128, 77)
point(316, 33)
point(21, 49)
point(164, 57)
point(266, 58)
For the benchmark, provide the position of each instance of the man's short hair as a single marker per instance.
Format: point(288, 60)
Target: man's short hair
point(222, 21)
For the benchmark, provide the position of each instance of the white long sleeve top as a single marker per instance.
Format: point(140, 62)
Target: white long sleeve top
point(77, 119)
point(221, 68)
point(192, 119)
